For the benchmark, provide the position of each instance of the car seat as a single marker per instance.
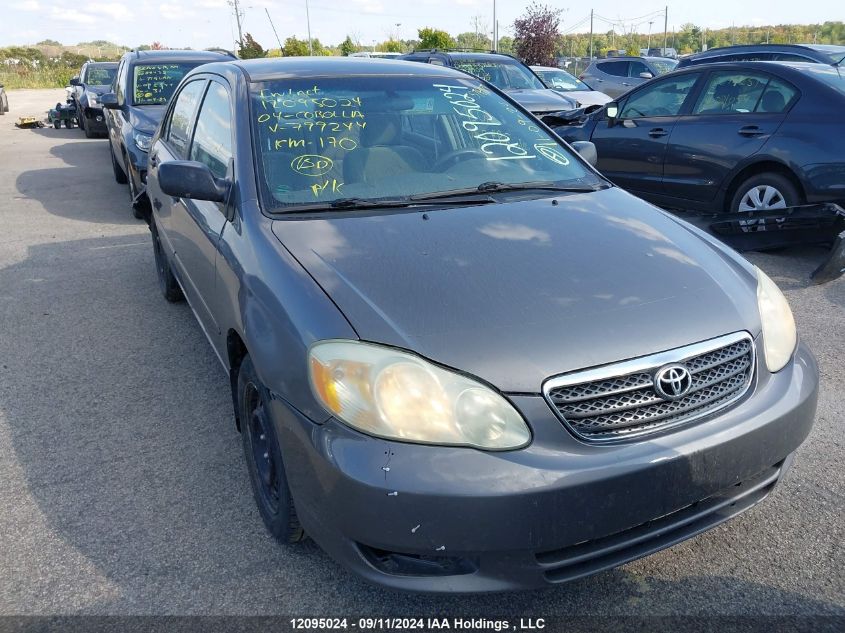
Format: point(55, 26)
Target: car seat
point(380, 155)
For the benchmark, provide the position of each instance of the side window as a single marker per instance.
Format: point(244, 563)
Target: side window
point(791, 57)
point(731, 93)
point(777, 97)
point(661, 98)
point(212, 143)
point(617, 69)
point(636, 68)
point(179, 127)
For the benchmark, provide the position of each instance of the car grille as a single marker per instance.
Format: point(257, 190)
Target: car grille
point(620, 401)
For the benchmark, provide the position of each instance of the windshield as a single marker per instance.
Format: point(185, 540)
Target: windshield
point(832, 76)
point(505, 75)
point(373, 137)
point(663, 66)
point(153, 84)
point(100, 76)
point(561, 80)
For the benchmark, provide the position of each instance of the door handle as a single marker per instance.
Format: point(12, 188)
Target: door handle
point(656, 132)
point(625, 83)
point(750, 130)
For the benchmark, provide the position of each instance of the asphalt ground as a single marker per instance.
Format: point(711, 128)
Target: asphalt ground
point(122, 484)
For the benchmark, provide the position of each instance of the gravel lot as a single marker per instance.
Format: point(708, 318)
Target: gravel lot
point(122, 485)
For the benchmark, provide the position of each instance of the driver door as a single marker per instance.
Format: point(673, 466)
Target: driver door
point(632, 148)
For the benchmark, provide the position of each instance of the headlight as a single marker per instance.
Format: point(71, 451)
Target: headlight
point(779, 335)
point(143, 141)
point(92, 99)
point(388, 393)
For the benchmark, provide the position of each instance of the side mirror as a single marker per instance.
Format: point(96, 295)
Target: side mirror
point(191, 179)
point(587, 150)
point(646, 76)
point(74, 81)
point(109, 100)
point(612, 111)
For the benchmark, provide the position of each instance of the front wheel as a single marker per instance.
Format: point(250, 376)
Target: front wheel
point(119, 174)
point(166, 280)
point(57, 124)
point(264, 458)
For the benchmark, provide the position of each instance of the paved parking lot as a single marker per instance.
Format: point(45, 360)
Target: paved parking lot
point(123, 489)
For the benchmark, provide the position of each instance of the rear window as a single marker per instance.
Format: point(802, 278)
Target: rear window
point(154, 84)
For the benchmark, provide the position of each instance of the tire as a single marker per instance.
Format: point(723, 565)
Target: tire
point(68, 123)
point(166, 281)
point(57, 124)
point(765, 191)
point(88, 132)
point(119, 174)
point(263, 457)
point(137, 207)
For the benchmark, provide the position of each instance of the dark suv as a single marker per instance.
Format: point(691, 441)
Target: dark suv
point(507, 73)
point(144, 83)
point(93, 81)
point(812, 53)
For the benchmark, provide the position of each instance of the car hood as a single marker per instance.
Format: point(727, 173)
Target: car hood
point(146, 118)
point(514, 293)
point(587, 97)
point(544, 100)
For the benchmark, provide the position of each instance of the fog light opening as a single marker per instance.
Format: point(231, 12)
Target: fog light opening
point(401, 564)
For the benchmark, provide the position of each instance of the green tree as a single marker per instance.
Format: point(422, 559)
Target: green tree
point(433, 38)
point(295, 48)
point(506, 45)
point(250, 49)
point(348, 46)
point(49, 42)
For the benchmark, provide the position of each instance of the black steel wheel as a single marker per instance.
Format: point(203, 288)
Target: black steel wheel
point(264, 458)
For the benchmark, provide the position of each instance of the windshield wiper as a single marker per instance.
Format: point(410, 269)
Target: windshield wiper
point(352, 204)
point(495, 187)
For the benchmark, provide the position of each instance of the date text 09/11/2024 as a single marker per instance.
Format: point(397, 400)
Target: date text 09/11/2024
point(419, 624)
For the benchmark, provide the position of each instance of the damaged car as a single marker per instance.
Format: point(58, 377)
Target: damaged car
point(460, 359)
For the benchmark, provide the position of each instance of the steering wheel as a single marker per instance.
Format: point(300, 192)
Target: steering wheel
point(454, 157)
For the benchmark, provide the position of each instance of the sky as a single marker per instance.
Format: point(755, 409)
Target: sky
point(207, 23)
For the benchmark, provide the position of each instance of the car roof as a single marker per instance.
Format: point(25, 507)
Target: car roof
point(305, 67)
point(789, 68)
point(103, 64)
point(548, 68)
point(775, 48)
point(174, 56)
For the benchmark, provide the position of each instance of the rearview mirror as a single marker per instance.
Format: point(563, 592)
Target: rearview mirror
point(612, 110)
point(191, 179)
point(109, 100)
point(587, 151)
point(646, 76)
point(74, 81)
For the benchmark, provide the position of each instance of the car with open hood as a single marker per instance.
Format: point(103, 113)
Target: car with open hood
point(143, 85)
point(460, 359)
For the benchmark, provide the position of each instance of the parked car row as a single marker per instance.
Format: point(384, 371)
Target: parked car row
point(436, 315)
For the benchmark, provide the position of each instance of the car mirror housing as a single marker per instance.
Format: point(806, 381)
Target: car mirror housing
point(109, 100)
point(646, 76)
point(587, 151)
point(191, 179)
point(74, 81)
point(612, 110)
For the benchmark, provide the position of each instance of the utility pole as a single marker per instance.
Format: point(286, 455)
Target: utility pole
point(591, 33)
point(308, 20)
point(237, 8)
point(495, 29)
point(649, 36)
point(274, 28)
point(665, 27)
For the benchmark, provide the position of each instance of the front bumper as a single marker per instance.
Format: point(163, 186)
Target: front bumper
point(443, 519)
point(95, 119)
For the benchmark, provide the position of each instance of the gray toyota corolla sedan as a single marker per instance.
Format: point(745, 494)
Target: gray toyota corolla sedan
point(460, 359)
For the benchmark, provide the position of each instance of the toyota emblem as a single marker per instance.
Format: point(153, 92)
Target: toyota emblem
point(672, 381)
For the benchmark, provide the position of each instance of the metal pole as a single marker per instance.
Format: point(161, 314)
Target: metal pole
point(238, 19)
point(665, 27)
point(308, 19)
point(495, 29)
point(649, 36)
point(274, 28)
point(591, 33)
